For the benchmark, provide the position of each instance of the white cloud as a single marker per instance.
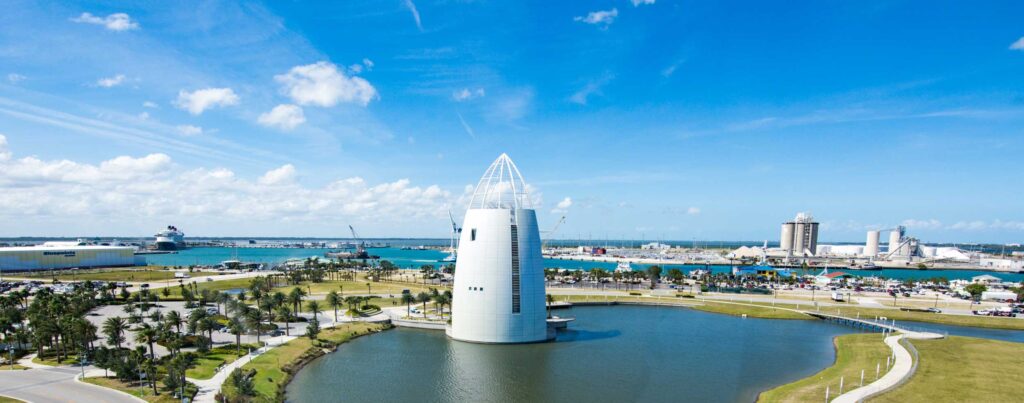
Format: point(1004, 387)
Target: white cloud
point(978, 225)
point(1018, 45)
point(691, 210)
point(15, 78)
point(593, 87)
point(415, 14)
point(111, 81)
point(606, 17)
point(284, 117)
point(563, 206)
point(150, 104)
point(189, 130)
point(200, 100)
point(144, 115)
point(323, 84)
point(5, 154)
point(368, 64)
point(922, 224)
point(280, 176)
point(638, 3)
point(128, 189)
point(466, 94)
point(113, 22)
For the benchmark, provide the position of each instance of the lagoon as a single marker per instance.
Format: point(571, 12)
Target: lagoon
point(621, 353)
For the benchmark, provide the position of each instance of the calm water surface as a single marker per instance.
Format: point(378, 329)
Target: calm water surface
point(619, 354)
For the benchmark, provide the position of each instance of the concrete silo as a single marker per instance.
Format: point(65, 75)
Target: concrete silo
point(871, 246)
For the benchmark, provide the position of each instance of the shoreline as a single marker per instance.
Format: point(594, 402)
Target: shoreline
point(911, 266)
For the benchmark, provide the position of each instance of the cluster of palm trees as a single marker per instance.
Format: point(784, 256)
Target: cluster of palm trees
point(440, 299)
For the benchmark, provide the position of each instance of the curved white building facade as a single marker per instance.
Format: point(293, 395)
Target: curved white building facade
point(498, 294)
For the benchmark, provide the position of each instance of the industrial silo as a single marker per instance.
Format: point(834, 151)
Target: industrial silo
point(871, 246)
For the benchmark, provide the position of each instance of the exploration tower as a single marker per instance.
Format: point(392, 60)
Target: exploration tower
point(498, 294)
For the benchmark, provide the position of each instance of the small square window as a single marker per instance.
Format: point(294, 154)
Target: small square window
point(481, 288)
point(472, 234)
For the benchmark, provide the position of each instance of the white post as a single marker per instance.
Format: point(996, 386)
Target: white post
point(826, 393)
point(887, 363)
point(878, 368)
point(841, 384)
point(862, 377)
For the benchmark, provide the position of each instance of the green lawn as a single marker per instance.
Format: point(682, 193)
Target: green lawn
point(5, 399)
point(706, 306)
point(51, 360)
point(140, 390)
point(207, 364)
point(118, 274)
point(959, 320)
point(269, 373)
point(854, 352)
point(963, 369)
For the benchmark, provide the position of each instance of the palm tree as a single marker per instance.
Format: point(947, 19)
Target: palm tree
point(424, 298)
point(148, 335)
point(114, 328)
point(173, 318)
point(334, 300)
point(254, 320)
point(283, 312)
point(549, 300)
point(295, 298)
point(236, 328)
point(408, 299)
point(314, 306)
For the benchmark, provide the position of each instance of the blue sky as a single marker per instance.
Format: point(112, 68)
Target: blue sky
point(661, 119)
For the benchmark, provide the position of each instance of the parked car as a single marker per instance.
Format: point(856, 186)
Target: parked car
point(934, 310)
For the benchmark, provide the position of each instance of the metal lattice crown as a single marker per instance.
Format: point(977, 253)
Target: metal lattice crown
point(501, 187)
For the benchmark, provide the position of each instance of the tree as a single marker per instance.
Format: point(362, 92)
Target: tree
point(424, 298)
point(654, 273)
point(975, 289)
point(314, 306)
point(408, 299)
point(242, 382)
point(548, 301)
point(254, 320)
point(295, 298)
point(236, 328)
point(334, 300)
point(114, 328)
point(174, 319)
point(284, 314)
point(147, 335)
point(313, 329)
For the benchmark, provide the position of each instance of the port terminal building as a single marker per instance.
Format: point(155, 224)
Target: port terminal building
point(66, 255)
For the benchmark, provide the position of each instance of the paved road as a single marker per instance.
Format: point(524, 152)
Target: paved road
point(56, 385)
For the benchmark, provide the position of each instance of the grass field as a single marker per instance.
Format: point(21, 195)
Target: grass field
point(119, 274)
point(706, 306)
point(958, 320)
point(51, 360)
point(207, 364)
point(5, 399)
point(140, 390)
point(854, 352)
point(269, 374)
point(963, 369)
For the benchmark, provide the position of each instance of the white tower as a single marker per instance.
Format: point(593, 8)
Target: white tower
point(498, 294)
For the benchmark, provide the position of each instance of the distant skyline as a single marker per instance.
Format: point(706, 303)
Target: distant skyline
point(649, 119)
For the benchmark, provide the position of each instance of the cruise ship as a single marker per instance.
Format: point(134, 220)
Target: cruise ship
point(170, 239)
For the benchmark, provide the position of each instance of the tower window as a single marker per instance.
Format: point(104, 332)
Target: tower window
point(472, 234)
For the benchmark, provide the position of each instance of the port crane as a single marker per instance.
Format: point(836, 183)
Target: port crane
point(360, 245)
point(554, 229)
point(455, 231)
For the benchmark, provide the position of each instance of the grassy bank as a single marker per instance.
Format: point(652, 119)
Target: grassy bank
point(275, 367)
point(5, 399)
point(854, 352)
point(963, 369)
point(139, 390)
point(149, 273)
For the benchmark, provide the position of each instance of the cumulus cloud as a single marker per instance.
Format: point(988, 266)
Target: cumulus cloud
point(150, 104)
point(113, 22)
point(1018, 45)
point(5, 154)
point(128, 188)
point(691, 210)
point(15, 78)
point(280, 176)
point(368, 64)
point(197, 101)
point(466, 94)
point(284, 117)
point(563, 206)
point(189, 130)
point(605, 17)
point(638, 3)
point(111, 81)
point(323, 84)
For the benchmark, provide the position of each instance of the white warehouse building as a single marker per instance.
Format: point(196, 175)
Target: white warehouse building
point(498, 292)
point(62, 255)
